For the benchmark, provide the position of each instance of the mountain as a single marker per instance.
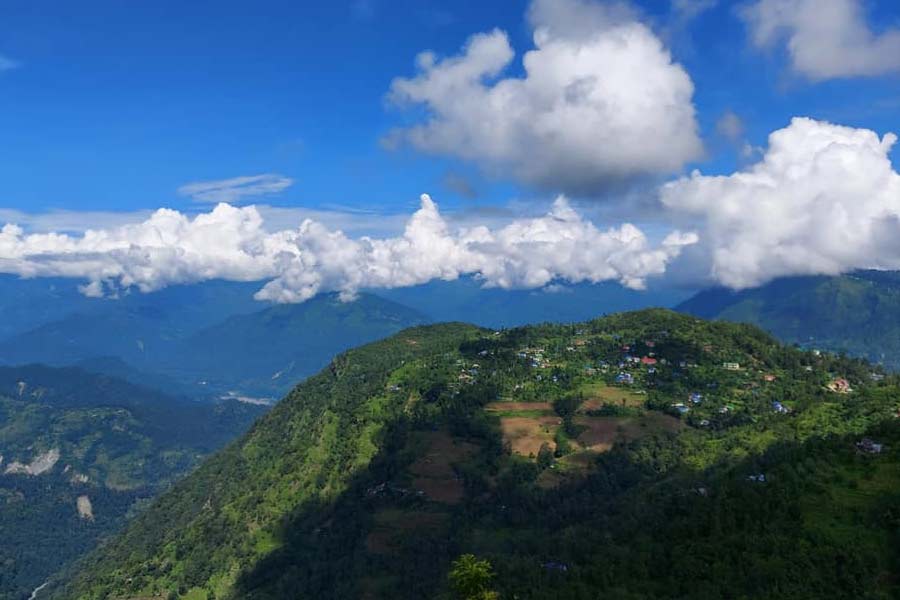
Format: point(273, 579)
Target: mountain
point(267, 352)
point(79, 452)
point(140, 329)
point(29, 303)
point(641, 455)
point(467, 300)
point(209, 339)
point(857, 313)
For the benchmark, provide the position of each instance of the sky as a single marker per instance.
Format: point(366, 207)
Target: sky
point(696, 141)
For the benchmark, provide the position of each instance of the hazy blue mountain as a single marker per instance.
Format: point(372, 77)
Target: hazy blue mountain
point(857, 313)
point(267, 352)
point(140, 329)
point(466, 300)
point(29, 303)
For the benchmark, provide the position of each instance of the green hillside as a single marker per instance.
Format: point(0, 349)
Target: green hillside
point(642, 455)
point(78, 452)
point(856, 313)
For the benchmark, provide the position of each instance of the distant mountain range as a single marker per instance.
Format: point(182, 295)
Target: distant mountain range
point(80, 451)
point(858, 313)
point(205, 340)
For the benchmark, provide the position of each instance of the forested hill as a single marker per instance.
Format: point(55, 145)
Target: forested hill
point(79, 451)
point(642, 455)
point(855, 313)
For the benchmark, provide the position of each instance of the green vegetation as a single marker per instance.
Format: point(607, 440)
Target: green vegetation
point(471, 578)
point(67, 435)
point(855, 313)
point(738, 474)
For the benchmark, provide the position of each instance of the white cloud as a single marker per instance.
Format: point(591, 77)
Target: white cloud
point(825, 39)
point(824, 199)
point(8, 64)
point(686, 10)
point(601, 100)
point(232, 243)
point(236, 189)
point(730, 126)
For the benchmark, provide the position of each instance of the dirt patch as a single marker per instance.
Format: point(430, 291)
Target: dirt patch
point(433, 471)
point(525, 435)
point(85, 509)
point(598, 394)
point(601, 433)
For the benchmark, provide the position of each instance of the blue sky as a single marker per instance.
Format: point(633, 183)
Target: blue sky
point(115, 105)
point(111, 110)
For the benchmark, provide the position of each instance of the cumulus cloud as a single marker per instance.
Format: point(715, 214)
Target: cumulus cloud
point(236, 189)
point(823, 199)
point(825, 39)
point(601, 100)
point(232, 243)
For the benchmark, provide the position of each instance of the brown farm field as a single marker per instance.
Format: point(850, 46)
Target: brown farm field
point(601, 433)
point(525, 435)
point(598, 394)
point(433, 471)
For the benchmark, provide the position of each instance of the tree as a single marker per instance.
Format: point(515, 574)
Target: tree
point(545, 456)
point(471, 578)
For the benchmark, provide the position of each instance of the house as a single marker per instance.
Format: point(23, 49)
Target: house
point(681, 408)
point(696, 398)
point(758, 478)
point(625, 378)
point(869, 446)
point(731, 366)
point(769, 377)
point(840, 386)
point(648, 360)
point(704, 423)
point(779, 407)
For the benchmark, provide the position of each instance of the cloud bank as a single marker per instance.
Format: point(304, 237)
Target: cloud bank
point(825, 39)
point(601, 101)
point(231, 243)
point(824, 199)
point(236, 189)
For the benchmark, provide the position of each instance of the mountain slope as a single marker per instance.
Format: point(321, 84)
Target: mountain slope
point(521, 447)
point(267, 352)
point(80, 451)
point(467, 300)
point(187, 339)
point(856, 313)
